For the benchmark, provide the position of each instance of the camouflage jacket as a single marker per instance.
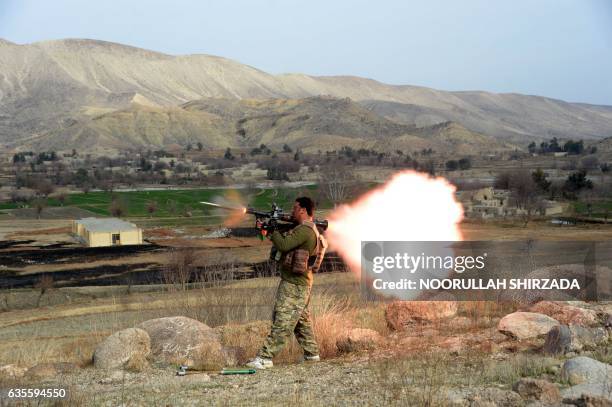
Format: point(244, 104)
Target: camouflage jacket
point(300, 237)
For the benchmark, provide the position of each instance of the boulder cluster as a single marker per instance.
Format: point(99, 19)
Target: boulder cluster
point(568, 329)
point(170, 340)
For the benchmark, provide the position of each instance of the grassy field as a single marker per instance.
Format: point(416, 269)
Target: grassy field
point(598, 209)
point(172, 203)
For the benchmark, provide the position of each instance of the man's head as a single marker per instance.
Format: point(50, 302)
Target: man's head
point(303, 209)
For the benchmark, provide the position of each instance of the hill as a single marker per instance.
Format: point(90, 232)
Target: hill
point(312, 124)
point(94, 92)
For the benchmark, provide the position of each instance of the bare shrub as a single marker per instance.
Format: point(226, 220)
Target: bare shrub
point(44, 284)
point(151, 207)
point(117, 207)
point(265, 269)
point(39, 206)
point(179, 268)
point(336, 182)
point(330, 321)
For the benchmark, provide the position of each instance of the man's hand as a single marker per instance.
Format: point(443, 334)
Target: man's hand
point(266, 228)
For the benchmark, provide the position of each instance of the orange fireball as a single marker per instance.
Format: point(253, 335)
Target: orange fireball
point(411, 206)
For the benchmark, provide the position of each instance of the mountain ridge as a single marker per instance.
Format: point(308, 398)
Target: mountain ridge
point(45, 84)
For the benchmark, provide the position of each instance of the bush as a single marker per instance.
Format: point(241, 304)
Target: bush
point(465, 163)
point(452, 165)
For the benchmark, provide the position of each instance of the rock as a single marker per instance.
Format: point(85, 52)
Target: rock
point(588, 394)
point(540, 390)
point(495, 397)
point(128, 348)
point(563, 339)
point(182, 340)
point(566, 314)
point(592, 401)
point(524, 325)
point(47, 370)
point(401, 313)
point(12, 372)
point(582, 369)
point(358, 339)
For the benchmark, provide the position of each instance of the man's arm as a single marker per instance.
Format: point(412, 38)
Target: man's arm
point(293, 239)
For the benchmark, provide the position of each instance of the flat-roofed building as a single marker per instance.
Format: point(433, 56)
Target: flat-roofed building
point(99, 232)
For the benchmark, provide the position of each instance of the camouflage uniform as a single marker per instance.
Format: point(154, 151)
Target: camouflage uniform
point(291, 310)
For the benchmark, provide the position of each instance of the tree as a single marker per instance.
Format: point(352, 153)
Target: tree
point(189, 147)
point(39, 205)
point(575, 183)
point(337, 182)
point(539, 177)
point(151, 207)
point(524, 194)
point(429, 167)
point(117, 207)
point(200, 146)
point(44, 188)
point(228, 154)
point(465, 164)
point(61, 198)
point(44, 284)
point(532, 147)
point(523, 189)
point(180, 267)
point(287, 149)
point(452, 165)
point(573, 147)
point(502, 180)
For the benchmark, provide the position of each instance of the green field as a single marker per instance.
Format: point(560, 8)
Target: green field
point(598, 209)
point(176, 203)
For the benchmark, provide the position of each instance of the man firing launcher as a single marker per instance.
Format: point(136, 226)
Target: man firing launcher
point(291, 309)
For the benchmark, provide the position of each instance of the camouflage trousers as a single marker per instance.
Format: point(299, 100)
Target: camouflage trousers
point(291, 314)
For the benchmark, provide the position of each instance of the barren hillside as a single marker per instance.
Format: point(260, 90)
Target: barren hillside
point(96, 93)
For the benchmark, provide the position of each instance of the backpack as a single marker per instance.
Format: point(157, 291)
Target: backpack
point(314, 261)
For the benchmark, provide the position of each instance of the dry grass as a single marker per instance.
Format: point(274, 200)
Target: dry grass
point(70, 332)
point(416, 381)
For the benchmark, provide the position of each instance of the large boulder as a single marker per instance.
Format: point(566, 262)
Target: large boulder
point(563, 339)
point(540, 390)
point(566, 314)
point(358, 339)
point(182, 340)
point(582, 369)
point(126, 348)
point(399, 314)
point(525, 325)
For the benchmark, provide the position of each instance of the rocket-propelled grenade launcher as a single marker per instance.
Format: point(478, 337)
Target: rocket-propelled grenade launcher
point(276, 218)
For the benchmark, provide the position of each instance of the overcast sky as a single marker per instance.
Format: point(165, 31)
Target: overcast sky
point(555, 48)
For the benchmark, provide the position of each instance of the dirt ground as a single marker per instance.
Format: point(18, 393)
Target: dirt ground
point(435, 364)
point(418, 367)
